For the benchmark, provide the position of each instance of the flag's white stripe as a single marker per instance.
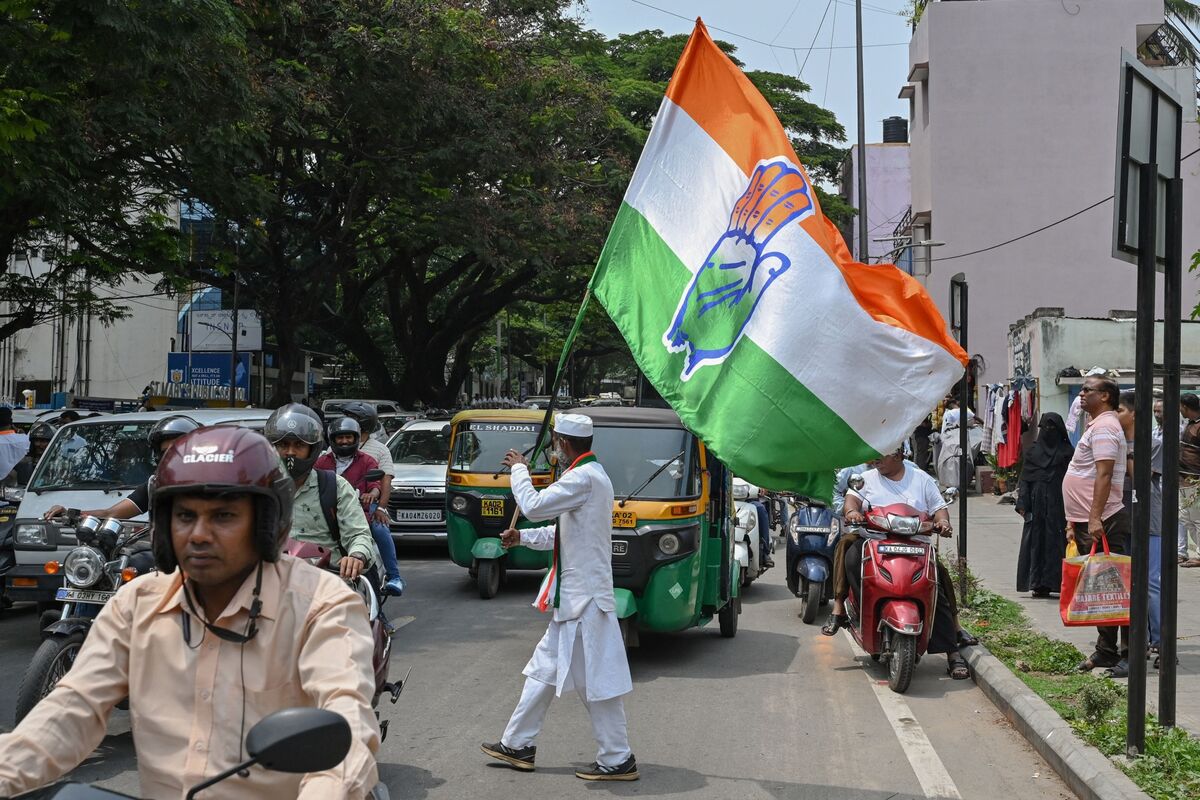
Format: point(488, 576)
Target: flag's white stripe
point(809, 321)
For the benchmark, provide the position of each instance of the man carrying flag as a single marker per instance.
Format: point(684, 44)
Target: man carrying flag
point(582, 647)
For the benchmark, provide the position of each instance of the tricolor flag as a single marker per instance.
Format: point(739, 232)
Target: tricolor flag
point(743, 306)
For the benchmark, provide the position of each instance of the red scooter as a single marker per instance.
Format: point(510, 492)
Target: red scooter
point(891, 611)
point(381, 629)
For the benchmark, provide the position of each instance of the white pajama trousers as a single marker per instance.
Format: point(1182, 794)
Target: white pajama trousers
point(608, 716)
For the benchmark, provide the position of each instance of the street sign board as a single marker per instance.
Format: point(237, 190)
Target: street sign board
point(1149, 120)
point(213, 330)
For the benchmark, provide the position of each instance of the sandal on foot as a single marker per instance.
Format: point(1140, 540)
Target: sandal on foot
point(836, 622)
point(1095, 661)
point(958, 668)
point(966, 639)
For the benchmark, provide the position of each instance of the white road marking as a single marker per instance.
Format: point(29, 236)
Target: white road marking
point(926, 764)
point(400, 622)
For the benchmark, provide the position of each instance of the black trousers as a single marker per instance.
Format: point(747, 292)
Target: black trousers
point(1117, 530)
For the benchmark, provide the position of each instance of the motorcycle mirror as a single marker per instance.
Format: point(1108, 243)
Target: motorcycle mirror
point(445, 430)
point(856, 482)
point(950, 495)
point(299, 740)
point(373, 475)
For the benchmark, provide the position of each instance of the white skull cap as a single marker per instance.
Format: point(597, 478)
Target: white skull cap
point(576, 425)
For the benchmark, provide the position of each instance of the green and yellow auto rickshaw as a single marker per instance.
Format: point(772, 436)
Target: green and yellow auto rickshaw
point(479, 499)
point(672, 541)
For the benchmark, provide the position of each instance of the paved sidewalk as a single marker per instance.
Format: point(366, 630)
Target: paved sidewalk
point(994, 535)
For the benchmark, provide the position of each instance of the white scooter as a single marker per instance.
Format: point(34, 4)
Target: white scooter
point(746, 539)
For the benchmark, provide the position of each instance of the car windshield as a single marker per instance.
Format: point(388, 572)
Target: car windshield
point(417, 446)
point(631, 455)
point(480, 446)
point(107, 455)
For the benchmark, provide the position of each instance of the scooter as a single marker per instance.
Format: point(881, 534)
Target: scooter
point(296, 740)
point(813, 530)
point(747, 542)
point(891, 610)
point(381, 630)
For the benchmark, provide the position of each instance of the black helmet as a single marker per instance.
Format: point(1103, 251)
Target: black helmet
point(169, 428)
point(364, 413)
point(42, 430)
point(343, 425)
point(222, 460)
point(299, 422)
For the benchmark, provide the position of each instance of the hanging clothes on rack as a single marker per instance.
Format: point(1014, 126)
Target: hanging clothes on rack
point(1009, 453)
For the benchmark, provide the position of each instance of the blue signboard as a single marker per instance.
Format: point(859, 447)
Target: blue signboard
point(207, 369)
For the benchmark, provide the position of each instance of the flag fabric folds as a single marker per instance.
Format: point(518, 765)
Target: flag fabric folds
point(744, 308)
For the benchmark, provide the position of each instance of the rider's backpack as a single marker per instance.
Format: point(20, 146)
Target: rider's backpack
point(327, 493)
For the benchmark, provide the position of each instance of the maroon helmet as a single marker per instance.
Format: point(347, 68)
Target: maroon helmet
point(222, 460)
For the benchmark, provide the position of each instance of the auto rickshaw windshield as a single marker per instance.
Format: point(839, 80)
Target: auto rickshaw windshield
point(481, 446)
point(631, 455)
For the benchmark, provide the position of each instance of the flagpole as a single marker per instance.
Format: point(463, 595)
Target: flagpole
point(558, 372)
point(863, 254)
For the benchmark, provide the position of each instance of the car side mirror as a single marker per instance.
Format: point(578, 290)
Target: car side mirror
point(374, 475)
point(856, 482)
point(299, 740)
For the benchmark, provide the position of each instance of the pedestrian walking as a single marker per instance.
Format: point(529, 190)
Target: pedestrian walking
point(1040, 504)
point(1092, 497)
point(582, 648)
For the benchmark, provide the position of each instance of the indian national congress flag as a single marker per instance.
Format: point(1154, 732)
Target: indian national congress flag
point(742, 304)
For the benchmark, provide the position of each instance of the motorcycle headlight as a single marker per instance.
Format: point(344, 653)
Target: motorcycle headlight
point(794, 529)
point(668, 544)
point(904, 526)
point(84, 566)
point(33, 534)
point(458, 504)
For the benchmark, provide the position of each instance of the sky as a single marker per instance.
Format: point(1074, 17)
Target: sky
point(785, 30)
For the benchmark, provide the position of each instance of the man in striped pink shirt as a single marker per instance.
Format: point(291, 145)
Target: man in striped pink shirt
point(1092, 496)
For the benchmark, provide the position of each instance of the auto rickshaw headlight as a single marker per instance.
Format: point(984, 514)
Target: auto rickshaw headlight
point(668, 543)
point(458, 504)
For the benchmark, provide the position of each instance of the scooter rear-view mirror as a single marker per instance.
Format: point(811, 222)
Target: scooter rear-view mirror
point(299, 740)
point(373, 475)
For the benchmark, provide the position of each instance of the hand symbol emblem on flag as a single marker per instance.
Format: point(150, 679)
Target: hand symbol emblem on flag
point(721, 299)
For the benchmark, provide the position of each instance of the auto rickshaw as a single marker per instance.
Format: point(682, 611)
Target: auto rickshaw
point(673, 520)
point(479, 499)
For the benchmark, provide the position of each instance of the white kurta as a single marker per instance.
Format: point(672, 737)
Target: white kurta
point(582, 500)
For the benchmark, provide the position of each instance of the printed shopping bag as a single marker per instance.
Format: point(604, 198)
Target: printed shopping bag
point(545, 596)
point(1095, 589)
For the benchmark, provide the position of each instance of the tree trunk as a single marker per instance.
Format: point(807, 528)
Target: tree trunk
point(291, 360)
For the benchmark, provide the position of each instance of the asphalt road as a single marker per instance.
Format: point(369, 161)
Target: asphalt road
point(777, 712)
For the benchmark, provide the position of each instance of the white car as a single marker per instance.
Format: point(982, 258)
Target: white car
point(417, 506)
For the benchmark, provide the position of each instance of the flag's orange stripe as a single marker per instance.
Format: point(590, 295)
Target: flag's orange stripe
point(714, 92)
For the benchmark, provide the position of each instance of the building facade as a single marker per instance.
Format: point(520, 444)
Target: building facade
point(1013, 127)
point(889, 196)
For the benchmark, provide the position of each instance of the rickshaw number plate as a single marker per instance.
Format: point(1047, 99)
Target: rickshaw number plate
point(901, 549)
point(624, 519)
point(83, 596)
point(493, 507)
point(620, 548)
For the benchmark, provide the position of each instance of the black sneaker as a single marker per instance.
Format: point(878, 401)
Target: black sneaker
point(622, 772)
point(517, 759)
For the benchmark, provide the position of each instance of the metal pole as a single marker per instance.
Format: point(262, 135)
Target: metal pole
point(1139, 545)
point(964, 441)
point(233, 355)
point(863, 253)
point(1169, 581)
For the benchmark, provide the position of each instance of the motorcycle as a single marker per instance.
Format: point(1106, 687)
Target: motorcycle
point(891, 610)
point(813, 530)
point(109, 554)
point(381, 630)
point(10, 501)
point(295, 740)
point(747, 544)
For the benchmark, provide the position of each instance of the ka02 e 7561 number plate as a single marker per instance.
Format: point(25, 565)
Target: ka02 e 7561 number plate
point(624, 519)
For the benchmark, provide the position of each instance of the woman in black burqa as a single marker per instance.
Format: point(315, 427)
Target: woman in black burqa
point(1040, 504)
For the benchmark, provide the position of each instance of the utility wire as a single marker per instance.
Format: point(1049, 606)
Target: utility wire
point(829, 61)
point(783, 27)
point(760, 41)
point(1044, 227)
point(800, 70)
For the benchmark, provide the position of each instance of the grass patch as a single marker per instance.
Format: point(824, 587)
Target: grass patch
point(1093, 706)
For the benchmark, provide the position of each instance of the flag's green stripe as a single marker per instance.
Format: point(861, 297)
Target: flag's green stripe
point(749, 410)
